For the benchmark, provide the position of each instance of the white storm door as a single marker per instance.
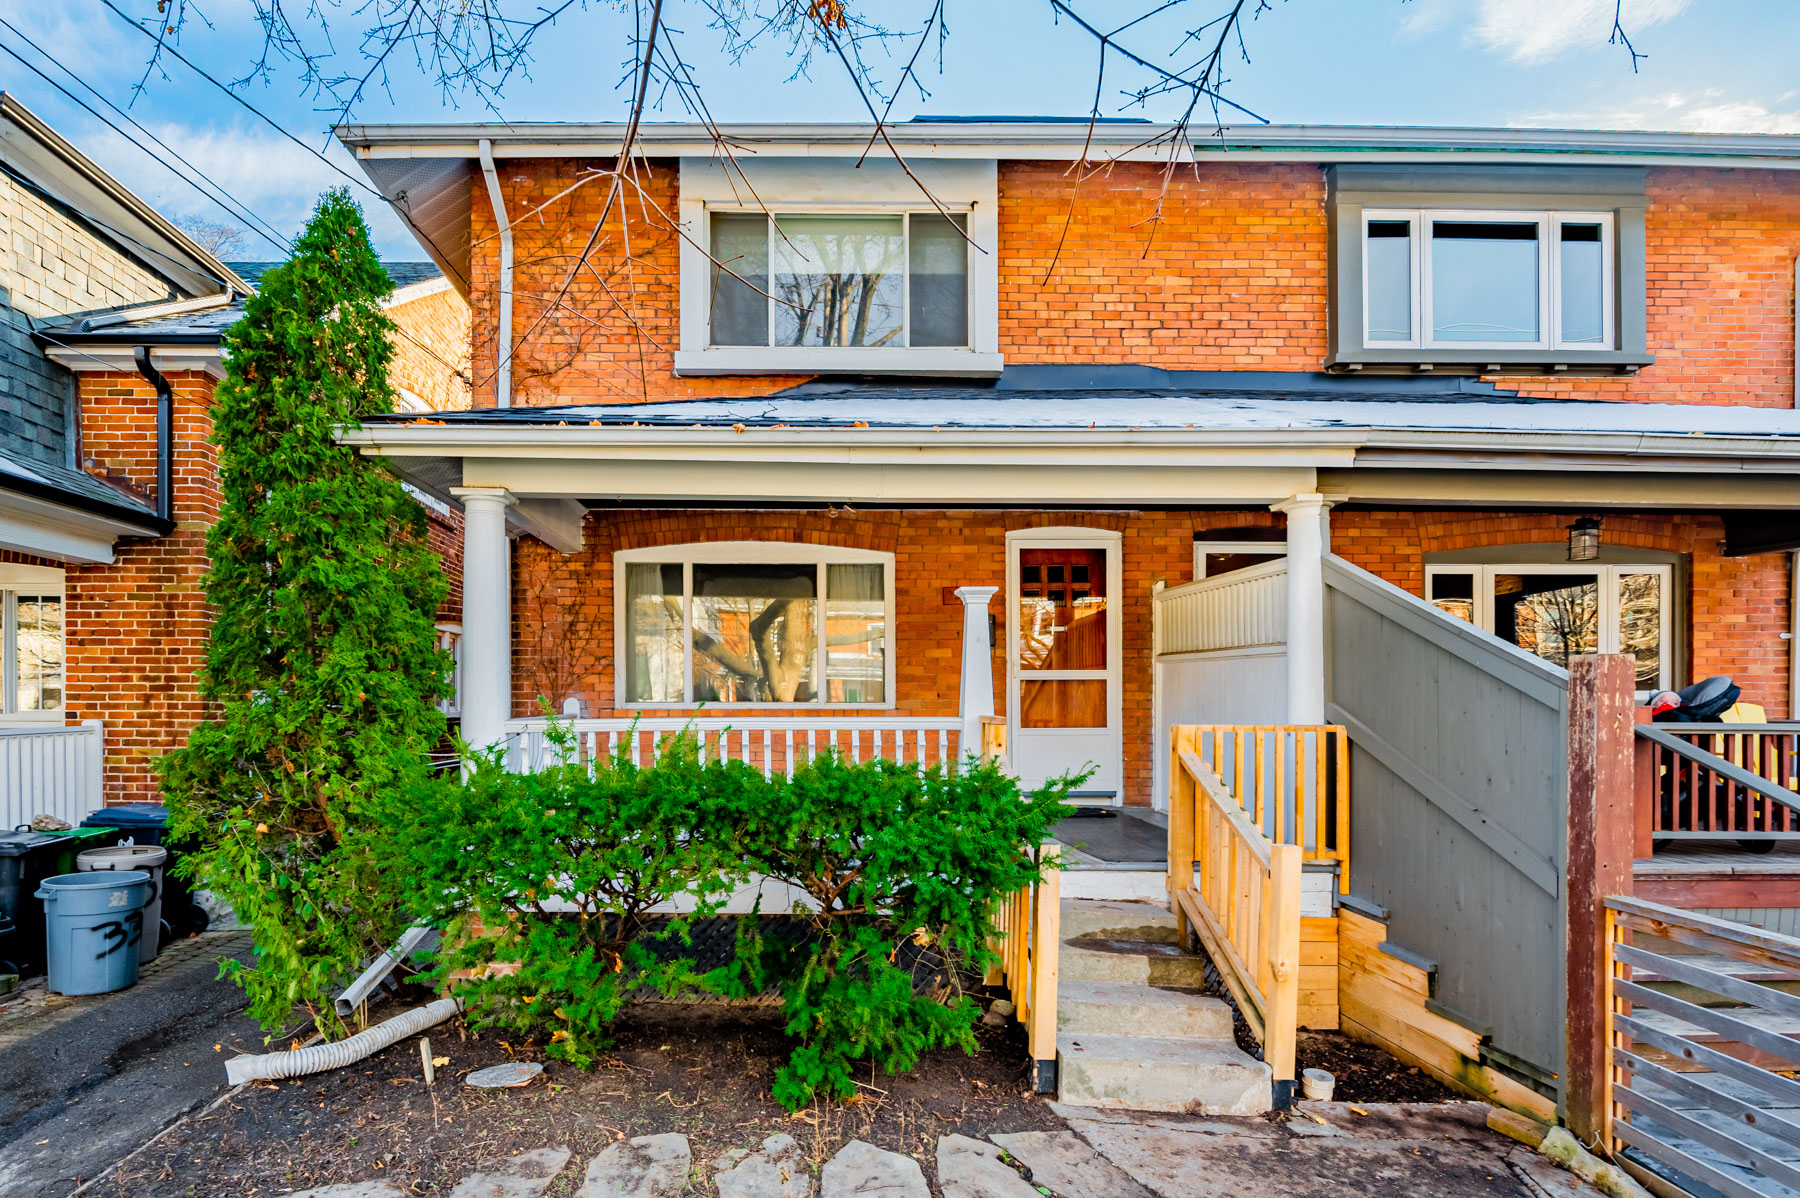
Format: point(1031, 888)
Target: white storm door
point(1063, 654)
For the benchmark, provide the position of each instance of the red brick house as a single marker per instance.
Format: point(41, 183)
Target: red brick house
point(108, 481)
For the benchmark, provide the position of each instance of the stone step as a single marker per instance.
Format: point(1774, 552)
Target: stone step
point(1096, 959)
point(1128, 1009)
point(1117, 921)
point(1147, 1073)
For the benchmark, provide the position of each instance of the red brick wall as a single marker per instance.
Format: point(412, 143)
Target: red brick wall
point(1232, 277)
point(1737, 606)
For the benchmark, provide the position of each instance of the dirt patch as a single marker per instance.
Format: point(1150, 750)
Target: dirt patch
point(1365, 1073)
point(702, 1071)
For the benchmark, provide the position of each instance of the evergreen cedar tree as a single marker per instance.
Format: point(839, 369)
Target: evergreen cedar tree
point(322, 669)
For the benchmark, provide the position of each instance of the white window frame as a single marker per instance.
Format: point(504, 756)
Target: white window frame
point(1549, 224)
point(1608, 574)
point(820, 186)
point(1202, 548)
point(16, 580)
point(687, 556)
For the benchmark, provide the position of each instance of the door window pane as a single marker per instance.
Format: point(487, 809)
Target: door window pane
point(1062, 703)
point(740, 245)
point(855, 634)
point(1484, 281)
point(1454, 593)
point(1640, 626)
point(938, 289)
point(1062, 610)
point(1390, 284)
point(839, 280)
point(1555, 616)
point(756, 634)
point(1583, 283)
point(653, 657)
point(40, 652)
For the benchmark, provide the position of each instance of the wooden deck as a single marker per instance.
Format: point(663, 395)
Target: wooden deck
point(1704, 875)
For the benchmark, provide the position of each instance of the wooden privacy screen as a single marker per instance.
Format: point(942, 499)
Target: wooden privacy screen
point(1245, 906)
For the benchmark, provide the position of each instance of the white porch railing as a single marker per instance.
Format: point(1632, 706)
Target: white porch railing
point(772, 745)
point(50, 769)
point(1238, 610)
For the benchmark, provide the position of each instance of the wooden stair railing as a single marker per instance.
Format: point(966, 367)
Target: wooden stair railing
point(1245, 907)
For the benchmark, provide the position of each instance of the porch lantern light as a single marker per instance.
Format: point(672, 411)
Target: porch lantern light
point(1584, 539)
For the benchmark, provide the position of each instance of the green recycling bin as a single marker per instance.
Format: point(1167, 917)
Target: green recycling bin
point(92, 925)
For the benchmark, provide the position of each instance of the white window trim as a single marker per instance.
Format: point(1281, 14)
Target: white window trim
point(1202, 548)
point(687, 556)
point(31, 580)
point(833, 185)
point(1549, 225)
point(1608, 574)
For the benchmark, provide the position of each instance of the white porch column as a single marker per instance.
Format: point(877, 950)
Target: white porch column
point(976, 698)
point(1307, 536)
point(487, 631)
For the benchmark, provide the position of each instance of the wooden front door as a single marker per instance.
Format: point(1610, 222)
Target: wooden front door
point(1063, 662)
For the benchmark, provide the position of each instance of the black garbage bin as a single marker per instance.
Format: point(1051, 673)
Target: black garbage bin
point(16, 955)
point(148, 823)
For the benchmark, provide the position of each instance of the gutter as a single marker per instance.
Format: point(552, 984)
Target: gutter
point(165, 433)
point(504, 340)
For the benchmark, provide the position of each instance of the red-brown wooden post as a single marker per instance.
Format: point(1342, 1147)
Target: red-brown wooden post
point(1602, 824)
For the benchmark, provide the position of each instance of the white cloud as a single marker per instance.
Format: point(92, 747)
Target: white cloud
point(1539, 30)
point(1709, 111)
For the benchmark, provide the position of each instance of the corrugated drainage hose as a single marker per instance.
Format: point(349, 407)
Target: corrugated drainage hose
point(321, 1057)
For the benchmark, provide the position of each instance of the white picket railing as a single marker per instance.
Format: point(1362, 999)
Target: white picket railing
point(773, 745)
point(50, 769)
point(1239, 610)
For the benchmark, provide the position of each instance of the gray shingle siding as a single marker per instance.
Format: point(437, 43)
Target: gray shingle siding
point(53, 265)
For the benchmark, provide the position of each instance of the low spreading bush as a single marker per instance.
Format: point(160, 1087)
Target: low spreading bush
point(568, 891)
point(546, 882)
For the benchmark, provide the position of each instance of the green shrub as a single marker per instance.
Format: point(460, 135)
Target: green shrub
point(561, 868)
point(889, 854)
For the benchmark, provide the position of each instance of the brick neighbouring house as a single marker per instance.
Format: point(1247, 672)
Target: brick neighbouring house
point(106, 301)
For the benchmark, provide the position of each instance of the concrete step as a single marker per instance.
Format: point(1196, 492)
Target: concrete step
point(1126, 1009)
point(1146, 1073)
point(1143, 962)
point(1117, 921)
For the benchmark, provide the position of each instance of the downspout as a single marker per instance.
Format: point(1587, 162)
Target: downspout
point(504, 345)
point(165, 432)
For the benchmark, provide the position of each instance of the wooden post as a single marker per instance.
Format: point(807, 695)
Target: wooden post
point(1282, 1013)
point(1046, 942)
point(1181, 826)
point(1602, 823)
point(1643, 845)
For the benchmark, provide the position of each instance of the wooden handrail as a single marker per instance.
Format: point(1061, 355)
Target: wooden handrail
point(1293, 780)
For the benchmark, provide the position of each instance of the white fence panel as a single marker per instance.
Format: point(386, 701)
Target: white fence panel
point(50, 770)
point(1239, 610)
point(771, 745)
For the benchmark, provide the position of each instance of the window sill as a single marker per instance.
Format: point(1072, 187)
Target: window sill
point(950, 363)
point(1490, 361)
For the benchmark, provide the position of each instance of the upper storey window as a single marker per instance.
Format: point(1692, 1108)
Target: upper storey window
point(841, 280)
point(1526, 280)
point(817, 266)
point(1521, 270)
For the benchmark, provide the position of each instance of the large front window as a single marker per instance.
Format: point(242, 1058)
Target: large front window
point(1468, 280)
point(31, 648)
point(1559, 611)
point(757, 624)
point(870, 281)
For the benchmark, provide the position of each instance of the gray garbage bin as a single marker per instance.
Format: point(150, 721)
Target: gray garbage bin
point(92, 923)
point(150, 859)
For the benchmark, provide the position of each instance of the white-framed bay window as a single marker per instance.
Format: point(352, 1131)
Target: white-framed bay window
point(1496, 279)
point(821, 266)
point(1559, 610)
point(32, 642)
point(753, 624)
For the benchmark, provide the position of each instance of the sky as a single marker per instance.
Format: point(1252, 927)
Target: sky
point(1721, 66)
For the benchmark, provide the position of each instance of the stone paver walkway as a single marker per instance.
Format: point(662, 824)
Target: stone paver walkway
point(1324, 1150)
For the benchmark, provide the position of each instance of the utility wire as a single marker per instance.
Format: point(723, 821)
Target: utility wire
point(251, 108)
point(222, 198)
